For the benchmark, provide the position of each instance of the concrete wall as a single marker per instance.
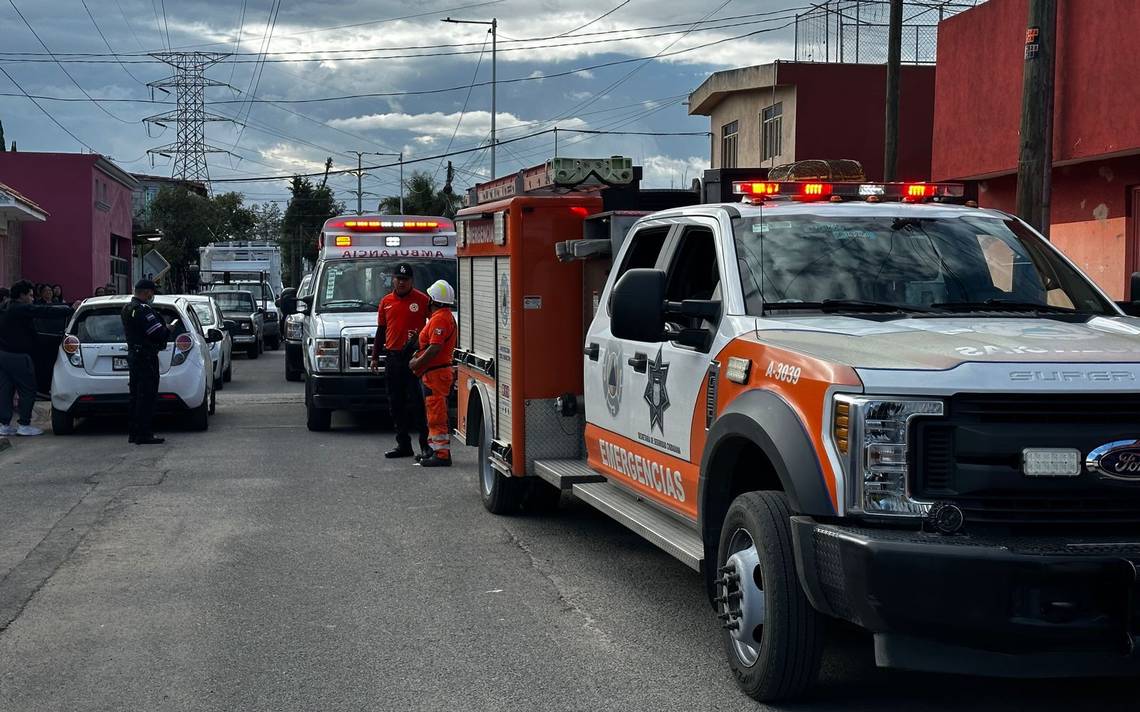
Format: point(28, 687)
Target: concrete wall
point(978, 88)
point(745, 107)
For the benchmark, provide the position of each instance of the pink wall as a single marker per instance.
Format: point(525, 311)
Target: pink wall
point(72, 248)
point(840, 114)
point(977, 101)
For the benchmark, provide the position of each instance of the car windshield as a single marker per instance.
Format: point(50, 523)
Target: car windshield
point(359, 285)
point(234, 301)
point(807, 263)
point(259, 291)
point(104, 325)
point(204, 312)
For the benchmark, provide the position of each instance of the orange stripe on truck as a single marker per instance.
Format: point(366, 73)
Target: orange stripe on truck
point(649, 472)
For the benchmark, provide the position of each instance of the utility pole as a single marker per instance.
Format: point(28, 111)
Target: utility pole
point(494, 23)
point(894, 68)
point(359, 173)
point(1035, 160)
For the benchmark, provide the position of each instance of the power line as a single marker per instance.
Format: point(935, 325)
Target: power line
point(237, 43)
point(267, 40)
point(128, 23)
point(463, 111)
point(104, 37)
point(64, 69)
point(46, 112)
point(603, 16)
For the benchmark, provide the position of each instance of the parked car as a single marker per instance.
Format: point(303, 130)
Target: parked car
point(293, 329)
point(249, 318)
point(265, 298)
point(90, 376)
point(221, 352)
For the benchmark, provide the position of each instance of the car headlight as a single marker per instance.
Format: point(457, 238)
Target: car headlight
point(246, 326)
point(328, 354)
point(871, 435)
point(293, 330)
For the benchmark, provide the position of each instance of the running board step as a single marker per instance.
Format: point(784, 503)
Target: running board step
point(563, 474)
point(674, 537)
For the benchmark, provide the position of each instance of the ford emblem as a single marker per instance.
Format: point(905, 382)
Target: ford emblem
point(1119, 460)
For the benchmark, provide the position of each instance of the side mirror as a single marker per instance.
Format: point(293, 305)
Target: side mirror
point(229, 325)
point(303, 308)
point(637, 306)
point(261, 310)
point(213, 336)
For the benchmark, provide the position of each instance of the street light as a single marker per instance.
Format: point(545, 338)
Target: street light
point(494, 23)
point(360, 175)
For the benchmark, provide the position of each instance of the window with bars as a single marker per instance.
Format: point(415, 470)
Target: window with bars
point(771, 128)
point(728, 136)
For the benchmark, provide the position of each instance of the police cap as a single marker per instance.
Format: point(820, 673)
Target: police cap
point(146, 284)
point(402, 270)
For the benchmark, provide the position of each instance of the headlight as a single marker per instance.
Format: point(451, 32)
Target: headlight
point(871, 435)
point(246, 326)
point(293, 330)
point(328, 354)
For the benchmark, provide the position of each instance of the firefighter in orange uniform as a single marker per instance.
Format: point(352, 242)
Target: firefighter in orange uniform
point(432, 363)
point(402, 313)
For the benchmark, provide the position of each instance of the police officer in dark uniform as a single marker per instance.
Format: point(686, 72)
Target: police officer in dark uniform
point(147, 334)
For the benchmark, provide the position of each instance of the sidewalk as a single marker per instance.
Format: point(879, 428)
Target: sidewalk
point(41, 418)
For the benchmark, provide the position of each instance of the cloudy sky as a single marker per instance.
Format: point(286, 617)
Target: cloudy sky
point(381, 76)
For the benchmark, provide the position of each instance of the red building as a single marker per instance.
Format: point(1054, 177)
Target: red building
point(87, 242)
point(1096, 127)
point(788, 111)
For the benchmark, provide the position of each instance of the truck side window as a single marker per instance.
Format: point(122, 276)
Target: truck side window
point(693, 271)
point(645, 246)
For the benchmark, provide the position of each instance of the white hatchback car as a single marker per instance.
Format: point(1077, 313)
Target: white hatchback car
point(90, 375)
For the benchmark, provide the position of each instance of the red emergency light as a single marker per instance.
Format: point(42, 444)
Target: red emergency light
point(381, 225)
point(839, 191)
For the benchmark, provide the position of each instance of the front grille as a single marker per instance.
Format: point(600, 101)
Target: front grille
point(972, 457)
point(358, 353)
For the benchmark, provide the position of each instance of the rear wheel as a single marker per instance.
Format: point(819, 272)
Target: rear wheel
point(500, 494)
point(316, 419)
point(540, 496)
point(220, 381)
point(772, 636)
point(199, 418)
point(229, 372)
point(253, 351)
point(62, 422)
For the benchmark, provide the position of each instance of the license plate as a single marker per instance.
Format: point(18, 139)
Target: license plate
point(119, 363)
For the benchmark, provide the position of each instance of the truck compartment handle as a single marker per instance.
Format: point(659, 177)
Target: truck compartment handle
point(592, 351)
point(639, 362)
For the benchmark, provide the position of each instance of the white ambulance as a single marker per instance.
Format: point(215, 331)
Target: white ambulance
point(338, 312)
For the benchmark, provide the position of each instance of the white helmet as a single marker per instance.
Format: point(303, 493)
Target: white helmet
point(441, 293)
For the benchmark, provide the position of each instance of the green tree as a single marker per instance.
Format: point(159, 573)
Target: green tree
point(3, 146)
point(267, 221)
point(188, 221)
point(305, 215)
point(422, 197)
point(233, 220)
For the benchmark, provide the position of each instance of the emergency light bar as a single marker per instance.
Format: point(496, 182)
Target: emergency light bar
point(373, 225)
point(836, 191)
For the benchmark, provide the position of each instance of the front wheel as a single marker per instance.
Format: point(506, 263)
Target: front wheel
point(500, 494)
point(62, 422)
point(229, 374)
point(316, 419)
point(275, 343)
point(213, 401)
point(772, 636)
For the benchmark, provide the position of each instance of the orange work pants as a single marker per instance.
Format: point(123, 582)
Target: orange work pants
point(437, 386)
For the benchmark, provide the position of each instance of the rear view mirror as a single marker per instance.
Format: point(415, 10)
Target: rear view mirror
point(637, 306)
point(213, 336)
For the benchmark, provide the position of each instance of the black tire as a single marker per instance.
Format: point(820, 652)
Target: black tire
point(292, 374)
point(199, 418)
point(500, 494)
point(317, 419)
point(213, 402)
point(228, 374)
point(220, 382)
point(62, 422)
point(253, 351)
point(275, 343)
point(790, 637)
point(540, 497)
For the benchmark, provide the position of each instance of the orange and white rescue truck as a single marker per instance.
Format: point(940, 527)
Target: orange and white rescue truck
point(867, 401)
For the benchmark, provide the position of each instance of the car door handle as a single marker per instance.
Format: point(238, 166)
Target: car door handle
point(639, 362)
point(592, 351)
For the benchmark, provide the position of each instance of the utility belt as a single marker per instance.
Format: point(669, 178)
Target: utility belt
point(143, 349)
point(435, 368)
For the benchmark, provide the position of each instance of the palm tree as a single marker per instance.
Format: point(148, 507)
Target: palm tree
point(423, 197)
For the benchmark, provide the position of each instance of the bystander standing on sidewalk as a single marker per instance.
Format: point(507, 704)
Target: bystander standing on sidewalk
point(17, 344)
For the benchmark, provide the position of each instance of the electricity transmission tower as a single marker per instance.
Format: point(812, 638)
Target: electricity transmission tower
point(189, 83)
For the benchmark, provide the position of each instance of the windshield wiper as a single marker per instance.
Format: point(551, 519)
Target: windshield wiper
point(359, 302)
point(1002, 305)
point(846, 305)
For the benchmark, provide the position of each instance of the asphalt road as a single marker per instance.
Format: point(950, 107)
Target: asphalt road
point(259, 566)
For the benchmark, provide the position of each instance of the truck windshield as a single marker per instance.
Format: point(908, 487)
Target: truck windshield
point(359, 285)
point(258, 291)
point(807, 263)
point(234, 301)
